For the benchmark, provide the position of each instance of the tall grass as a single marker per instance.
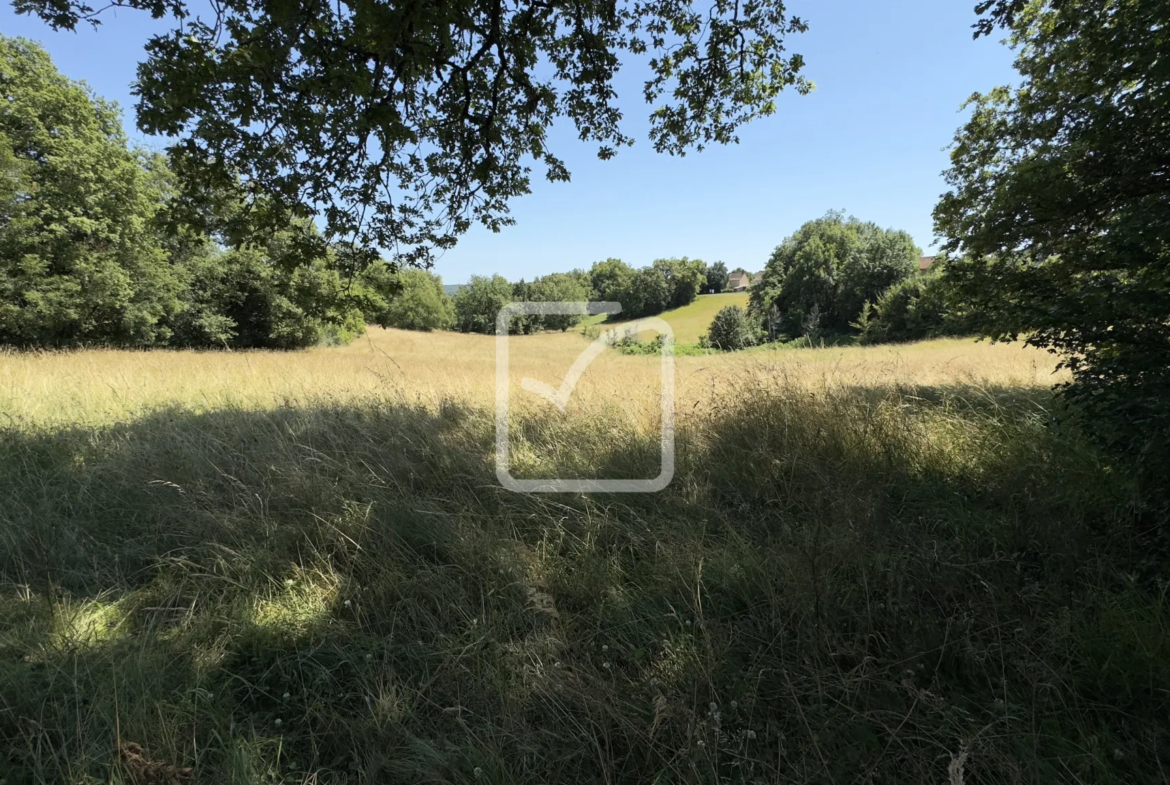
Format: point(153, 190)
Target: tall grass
point(867, 569)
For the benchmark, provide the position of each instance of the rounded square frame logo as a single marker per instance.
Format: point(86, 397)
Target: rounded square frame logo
point(559, 397)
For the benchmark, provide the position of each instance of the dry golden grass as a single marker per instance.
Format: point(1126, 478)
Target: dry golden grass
point(102, 385)
point(300, 568)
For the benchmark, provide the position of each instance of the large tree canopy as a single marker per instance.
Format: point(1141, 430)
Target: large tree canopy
point(78, 260)
point(1060, 206)
point(820, 278)
point(404, 122)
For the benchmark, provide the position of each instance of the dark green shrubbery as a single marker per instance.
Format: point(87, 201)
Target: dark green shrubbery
point(1058, 203)
point(666, 284)
point(913, 309)
point(818, 280)
point(478, 303)
point(91, 251)
point(732, 329)
point(409, 299)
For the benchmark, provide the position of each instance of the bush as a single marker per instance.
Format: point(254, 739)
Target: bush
point(251, 298)
point(732, 329)
point(912, 310)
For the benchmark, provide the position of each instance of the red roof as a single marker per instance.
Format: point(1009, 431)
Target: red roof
point(924, 262)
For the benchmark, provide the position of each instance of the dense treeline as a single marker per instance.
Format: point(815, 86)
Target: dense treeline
point(666, 284)
point(99, 247)
point(839, 278)
point(95, 248)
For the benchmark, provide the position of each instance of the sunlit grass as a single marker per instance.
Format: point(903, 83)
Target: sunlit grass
point(299, 567)
point(102, 386)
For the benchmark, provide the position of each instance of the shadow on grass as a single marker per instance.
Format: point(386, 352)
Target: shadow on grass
point(869, 582)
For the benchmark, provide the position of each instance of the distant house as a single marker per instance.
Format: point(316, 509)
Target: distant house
point(741, 281)
point(924, 263)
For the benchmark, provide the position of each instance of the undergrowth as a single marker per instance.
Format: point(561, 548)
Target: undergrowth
point(840, 585)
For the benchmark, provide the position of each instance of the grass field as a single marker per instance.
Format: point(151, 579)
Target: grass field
point(880, 564)
point(690, 322)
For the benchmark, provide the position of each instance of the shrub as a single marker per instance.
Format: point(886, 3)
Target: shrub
point(732, 329)
point(249, 298)
point(911, 310)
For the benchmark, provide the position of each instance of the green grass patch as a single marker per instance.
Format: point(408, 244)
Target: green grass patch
point(690, 322)
point(840, 585)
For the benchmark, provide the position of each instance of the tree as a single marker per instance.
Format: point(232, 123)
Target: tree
point(610, 280)
point(96, 246)
point(411, 299)
point(922, 306)
point(684, 279)
point(255, 297)
point(650, 290)
point(820, 278)
point(409, 121)
point(560, 288)
point(717, 277)
point(732, 329)
point(79, 262)
point(1058, 204)
point(479, 302)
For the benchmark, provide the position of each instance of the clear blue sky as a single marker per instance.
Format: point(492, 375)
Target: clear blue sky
point(890, 78)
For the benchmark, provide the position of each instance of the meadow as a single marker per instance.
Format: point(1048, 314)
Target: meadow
point(878, 564)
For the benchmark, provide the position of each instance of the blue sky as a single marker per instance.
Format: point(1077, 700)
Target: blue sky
point(890, 78)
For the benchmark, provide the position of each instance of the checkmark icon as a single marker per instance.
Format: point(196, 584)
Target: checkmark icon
point(559, 397)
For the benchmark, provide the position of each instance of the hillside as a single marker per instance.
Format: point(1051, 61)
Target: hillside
point(691, 321)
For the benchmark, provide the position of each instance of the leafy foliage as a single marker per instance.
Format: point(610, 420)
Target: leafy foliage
point(667, 283)
point(610, 280)
point(246, 298)
point(918, 307)
point(732, 329)
point(1058, 202)
point(78, 259)
point(571, 287)
point(478, 303)
point(94, 248)
point(411, 121)
point(412, 299)
point(820, 278)
point(684, 279)
point(717, 276)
